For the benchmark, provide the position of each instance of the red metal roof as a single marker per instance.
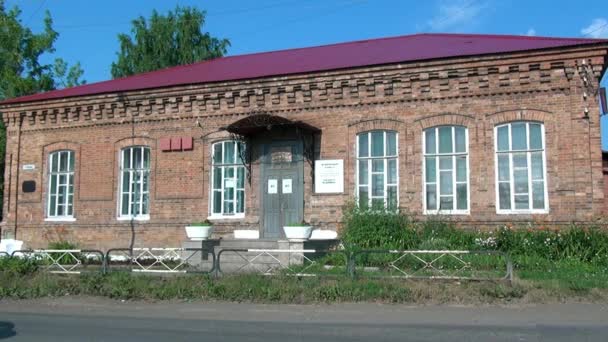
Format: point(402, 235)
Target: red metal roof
point(321, 58)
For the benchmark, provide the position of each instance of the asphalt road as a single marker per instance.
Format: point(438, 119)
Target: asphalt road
point(89, 319)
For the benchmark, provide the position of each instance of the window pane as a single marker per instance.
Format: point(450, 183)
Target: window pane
point(229, 155)
point(445, 163)
point(363, 145)
point(240, 201)
point(217, 153)
point(53, 206)
point(521, 181)
point(518, 132)
point(538, 195)
point(125, 205)
point(378, 185)
point(146, 158)
point(146, 204)
point(520, 160)
point(229, 172)
point(228, 194)
point(503, 138)
point(240, 177)
point(431, 197)
point(504, 194)
point(241, 152)
point(461, 196)
point(217, 202)
point(53, 184)
point(363, 172)
point(377, 144)
point(445, 140)
point(460, 139)
point(228, 207)
point(55, 162)
point(363, 196)
point(71, 165)
point(125, 181)
point(430, 141)
point(392, 197)
point(503, 167)
point(137, 158)
point(537, 166)
point(392, 171)
point(461, 169)
point(431, 169)
point(522, 202)
point(217, 178)
point(536, 141)
point(445, 180)
point(446, 203)
point(126, 158)
point(146, 180)
point(391, 143)
point(378, 165)
point(63, 161)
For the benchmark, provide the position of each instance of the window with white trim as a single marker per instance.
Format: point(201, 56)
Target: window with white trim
point(446, 170)
point(228, 179)
point(135, 183)
point(61, 185)
point(521, 181)
point(377, 169)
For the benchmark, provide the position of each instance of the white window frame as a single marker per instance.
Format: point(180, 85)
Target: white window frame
point(511, 181)
point(454, 155)
point(223, 167)
point(129, 216)
point(69, 174)
point(369, 160)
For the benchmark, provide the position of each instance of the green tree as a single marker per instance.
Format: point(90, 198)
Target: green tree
point(163, 41)
point(21, 71)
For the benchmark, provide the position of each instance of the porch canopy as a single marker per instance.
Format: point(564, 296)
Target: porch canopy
point(260, 123)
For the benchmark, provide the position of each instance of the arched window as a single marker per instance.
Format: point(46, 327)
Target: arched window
point(228, 179)
point(377, 169)
point(446, 170)
point(135, 183)
point(521, 185)
point(61, 185)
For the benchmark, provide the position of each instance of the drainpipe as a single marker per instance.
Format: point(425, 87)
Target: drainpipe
point(18, 163)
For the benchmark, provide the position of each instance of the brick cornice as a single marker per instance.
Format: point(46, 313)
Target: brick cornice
point(435, 80)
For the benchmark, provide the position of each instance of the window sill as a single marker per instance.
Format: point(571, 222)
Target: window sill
point(227, 217)
point(447, 212)
point(522, 212)
point(136, 218)
point(60, 219)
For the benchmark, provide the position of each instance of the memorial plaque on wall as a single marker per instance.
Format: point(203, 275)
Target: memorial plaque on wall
point(329, 176)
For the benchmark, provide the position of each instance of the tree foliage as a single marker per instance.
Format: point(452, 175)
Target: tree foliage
point(162, 41)
point(21, 70)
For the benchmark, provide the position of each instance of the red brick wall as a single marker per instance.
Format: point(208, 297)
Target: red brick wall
point(478, 93)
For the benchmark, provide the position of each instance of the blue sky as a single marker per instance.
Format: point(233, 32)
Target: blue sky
point(88, 29)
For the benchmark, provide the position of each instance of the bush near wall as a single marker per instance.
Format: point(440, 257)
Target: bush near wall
point(382, 229)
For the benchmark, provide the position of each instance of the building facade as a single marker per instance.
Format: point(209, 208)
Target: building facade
point(486, 130)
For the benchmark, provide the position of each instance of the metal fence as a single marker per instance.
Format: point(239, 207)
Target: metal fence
point(432, 264)
point(396, 264)
point(292, 262)
point(4, 255)
point(65, 261)
point(160, 260)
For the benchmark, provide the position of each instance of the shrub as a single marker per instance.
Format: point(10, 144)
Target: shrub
point(17, 266)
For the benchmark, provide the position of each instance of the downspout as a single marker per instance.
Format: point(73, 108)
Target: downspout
point(18, 163)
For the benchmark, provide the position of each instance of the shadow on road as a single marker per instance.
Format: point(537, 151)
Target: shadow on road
point(7, 329)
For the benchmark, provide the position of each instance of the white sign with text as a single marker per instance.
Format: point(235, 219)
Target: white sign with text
point(329, 176)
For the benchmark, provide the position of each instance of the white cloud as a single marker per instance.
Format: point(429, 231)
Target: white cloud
point(531, 32)
point(455, 13)
point(597, 29)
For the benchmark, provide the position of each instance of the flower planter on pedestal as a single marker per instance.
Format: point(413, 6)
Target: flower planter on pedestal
point(297, 233)
point(199, 233)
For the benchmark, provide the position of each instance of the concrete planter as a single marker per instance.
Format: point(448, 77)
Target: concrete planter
point(199, 233)
point(297, 233)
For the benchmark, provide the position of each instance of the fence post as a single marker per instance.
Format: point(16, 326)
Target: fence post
point(350, 264)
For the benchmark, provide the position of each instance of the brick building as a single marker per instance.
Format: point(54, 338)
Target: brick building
point(484, 129)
